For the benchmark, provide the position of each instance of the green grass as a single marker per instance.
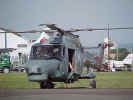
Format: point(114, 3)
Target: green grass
point(104, 80)
point(115, 80)
point(16, 80)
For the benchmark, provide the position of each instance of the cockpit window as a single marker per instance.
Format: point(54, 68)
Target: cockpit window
point(47, 51)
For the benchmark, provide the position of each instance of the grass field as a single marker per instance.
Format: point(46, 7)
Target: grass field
point(104, 80)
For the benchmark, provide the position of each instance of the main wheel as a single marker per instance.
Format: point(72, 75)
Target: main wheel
point(93, 83)
point(50, 85)
point(6, 70)
point(43, 85)
point(46, 85)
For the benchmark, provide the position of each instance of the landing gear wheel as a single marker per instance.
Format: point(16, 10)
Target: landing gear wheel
point(50, 85)
point(43, 85)
point(46, 85)
point(93, 83)
point(6, 70)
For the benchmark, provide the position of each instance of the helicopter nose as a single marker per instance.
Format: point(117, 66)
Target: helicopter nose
point(40, 70)
point(38, 77)
point(35, 73)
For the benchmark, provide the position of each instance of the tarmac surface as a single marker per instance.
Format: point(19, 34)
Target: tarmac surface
point(67, 94)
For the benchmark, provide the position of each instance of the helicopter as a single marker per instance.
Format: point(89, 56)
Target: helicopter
point(63, 58)
point(59, 57)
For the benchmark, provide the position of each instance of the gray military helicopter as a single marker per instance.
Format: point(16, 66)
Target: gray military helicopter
point(59, 57)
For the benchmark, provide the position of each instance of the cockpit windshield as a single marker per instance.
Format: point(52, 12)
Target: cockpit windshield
point(47, 51)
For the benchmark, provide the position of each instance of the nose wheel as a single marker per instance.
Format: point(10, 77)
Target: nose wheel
point(46, 85)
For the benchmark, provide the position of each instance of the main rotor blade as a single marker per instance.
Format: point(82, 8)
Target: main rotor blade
point(28, 31)
point(91, 47)
point(95, 29)
point(117, 28)
point(8, 31)
point(51, 26)
point(54, 27)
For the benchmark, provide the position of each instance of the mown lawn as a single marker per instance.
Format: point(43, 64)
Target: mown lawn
point(104, 80)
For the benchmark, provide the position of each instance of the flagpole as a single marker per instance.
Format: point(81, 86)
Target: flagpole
point(5, 40)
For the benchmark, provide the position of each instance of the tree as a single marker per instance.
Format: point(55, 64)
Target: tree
point(122, 53)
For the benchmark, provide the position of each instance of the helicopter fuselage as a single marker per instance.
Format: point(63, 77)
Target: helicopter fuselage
point(58, 61)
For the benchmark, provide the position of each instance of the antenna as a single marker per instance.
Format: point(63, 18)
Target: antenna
point(108, 48)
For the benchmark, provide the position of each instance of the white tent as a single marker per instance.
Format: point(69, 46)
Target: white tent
point(128, 59)
point(13, 40)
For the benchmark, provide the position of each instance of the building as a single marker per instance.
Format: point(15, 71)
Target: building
point(13, 40)
point(21, 47)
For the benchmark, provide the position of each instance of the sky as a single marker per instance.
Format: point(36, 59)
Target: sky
point(23, 15)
